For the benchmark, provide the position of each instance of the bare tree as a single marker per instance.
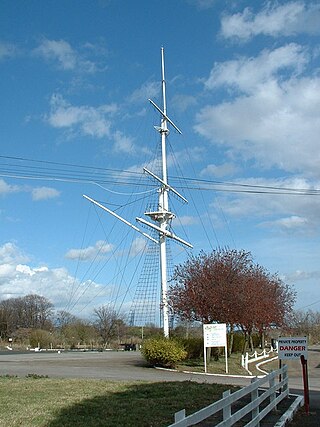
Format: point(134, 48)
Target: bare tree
point(31, 311)
point(64, 318)
point(105, 323)
point(37, 311)
point(305, 323)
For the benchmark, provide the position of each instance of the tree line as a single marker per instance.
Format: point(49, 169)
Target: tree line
point(32, 320)
point(224, 286)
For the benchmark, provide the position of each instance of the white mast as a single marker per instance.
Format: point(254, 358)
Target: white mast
point(162, 215)
point(164, 205)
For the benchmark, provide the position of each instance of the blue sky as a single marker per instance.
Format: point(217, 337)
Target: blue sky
point(243, 84)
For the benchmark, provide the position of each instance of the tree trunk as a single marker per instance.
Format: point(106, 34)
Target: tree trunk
point(251, 342)
point(230, 344)
point(263, 339)
point(246, 343)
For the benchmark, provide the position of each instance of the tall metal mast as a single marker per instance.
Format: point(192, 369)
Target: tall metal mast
point(164, 216)
point(161, 216)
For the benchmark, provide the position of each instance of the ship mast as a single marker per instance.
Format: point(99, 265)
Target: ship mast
point(166, 216)
point(161, 216)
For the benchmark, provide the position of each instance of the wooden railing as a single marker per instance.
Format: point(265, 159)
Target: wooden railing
point(277, 390)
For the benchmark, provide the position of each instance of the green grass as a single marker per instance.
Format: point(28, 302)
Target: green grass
point(215, 367)
point(47, 402)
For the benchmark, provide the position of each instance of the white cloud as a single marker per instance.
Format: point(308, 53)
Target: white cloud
point(99, 249)
point(58, 50)
point(7, 188)
point(11, 254)
point(25, 269)
point(139, 244)
point(248, 74)
point(225, 169)
point(291, 213)
point(203, 4)
point(7, 50)
point(183, 102)
point(6, 270)
point(187, 156)
point(186, 220)
point(273, 20)
point(87, 120)
point(299, 275)
point(274, 118)
point(44, 193)
point(37, 193)
point(17, 278)
point(292, 223)
point(99, 49)
point(65, 56)
point(123, 143)
point(146, 91)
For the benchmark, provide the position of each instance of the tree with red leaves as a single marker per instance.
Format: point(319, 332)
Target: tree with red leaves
point(227, 287)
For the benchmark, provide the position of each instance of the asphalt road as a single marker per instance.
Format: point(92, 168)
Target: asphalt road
point(115, 366)
point(130, 366)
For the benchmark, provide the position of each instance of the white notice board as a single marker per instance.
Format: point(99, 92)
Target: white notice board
point(215, 335)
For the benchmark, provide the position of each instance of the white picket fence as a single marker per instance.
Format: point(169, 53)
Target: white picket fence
point(249, 358)
point(275, 393)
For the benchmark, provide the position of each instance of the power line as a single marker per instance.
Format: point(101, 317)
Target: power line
point(75, 173)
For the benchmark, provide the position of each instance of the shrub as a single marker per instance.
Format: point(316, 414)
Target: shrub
point(36, 376)
point(193, 347)
point(163, 352)
point(39, 337)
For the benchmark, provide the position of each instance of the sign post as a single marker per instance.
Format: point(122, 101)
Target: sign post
point(304, 364)
point(296, 348)
point(214, 335)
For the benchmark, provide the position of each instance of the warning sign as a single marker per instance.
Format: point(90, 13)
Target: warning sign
point(292, 348)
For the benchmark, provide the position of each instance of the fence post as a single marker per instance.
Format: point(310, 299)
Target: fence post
point(272, 395)
point(285, 388)
point(178, 416)
point(227, 408)
point(254, 396)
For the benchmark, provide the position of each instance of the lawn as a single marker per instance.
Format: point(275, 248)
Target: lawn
point(47, 402)
point(215, 367)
